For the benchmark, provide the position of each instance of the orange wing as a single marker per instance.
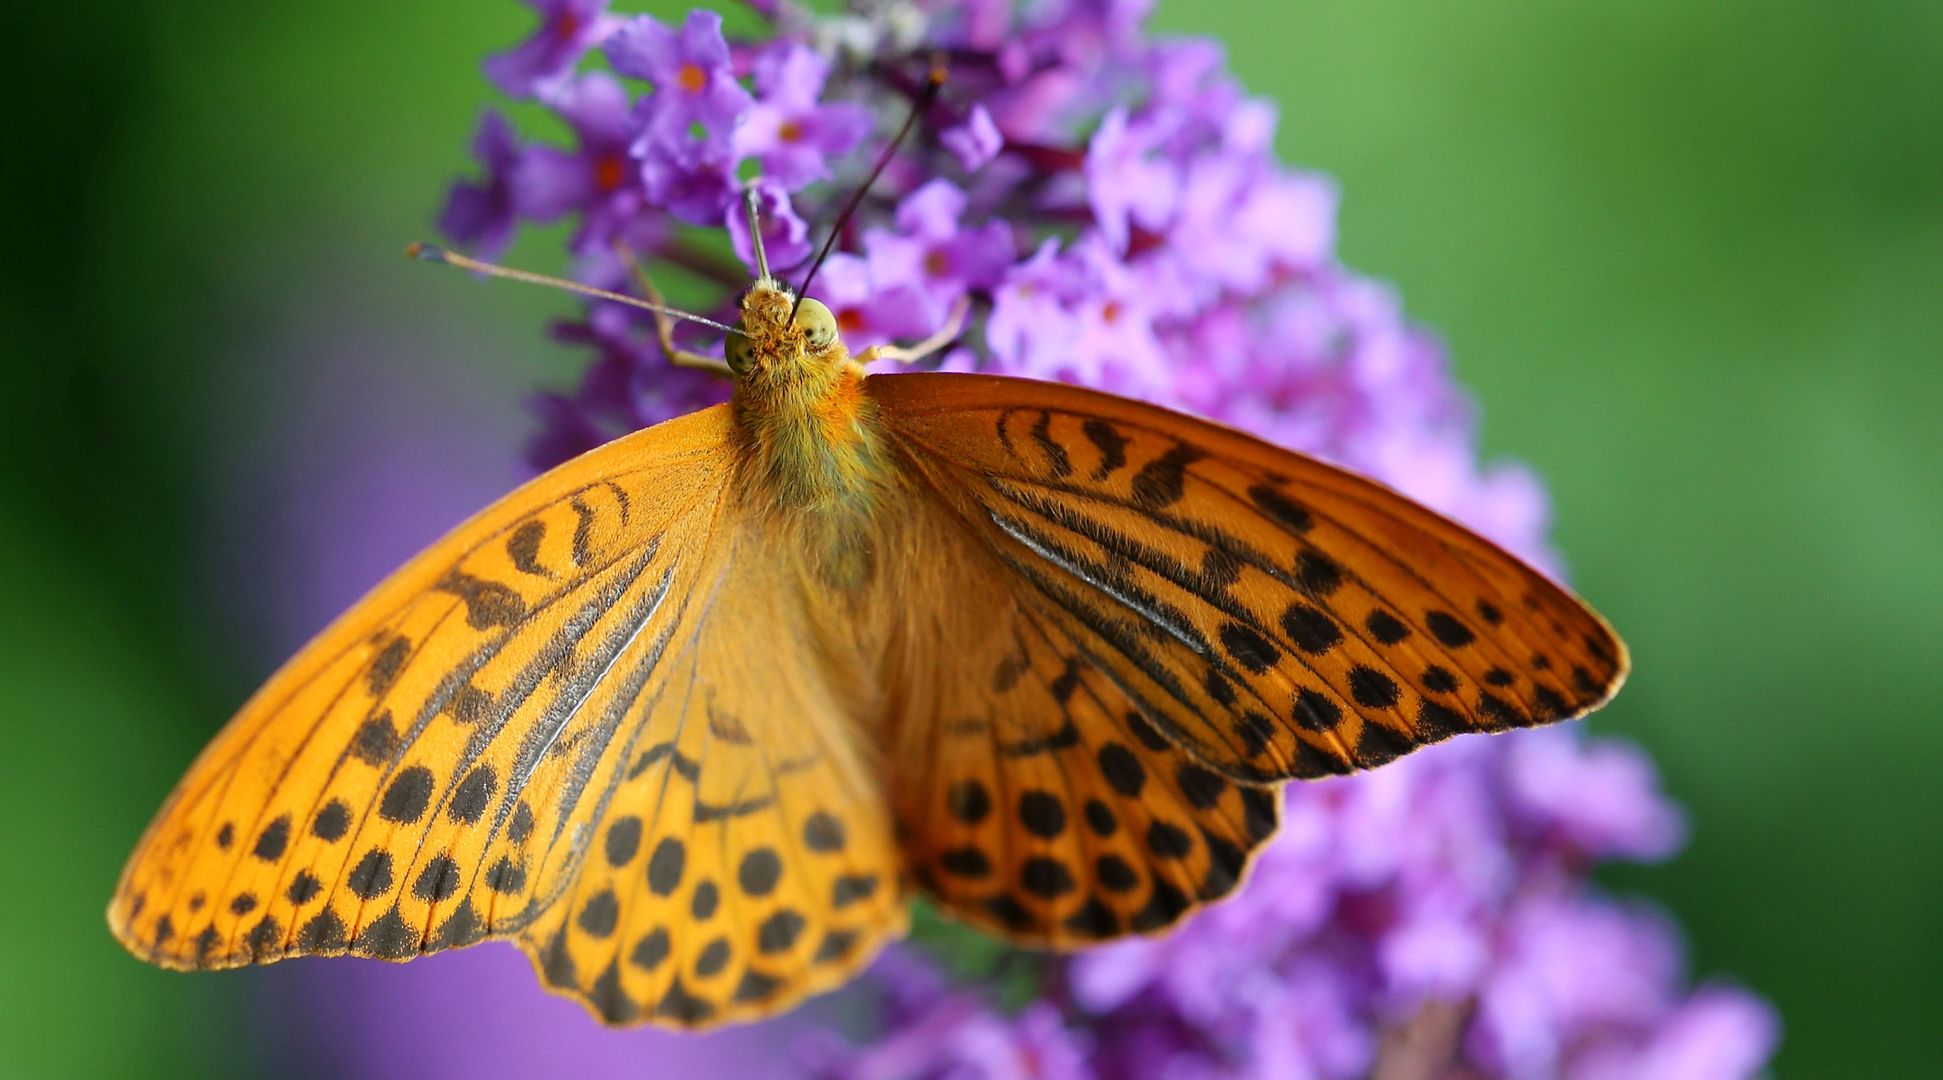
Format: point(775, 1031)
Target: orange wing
point(1271, 615)
point(540, 729)
point(1033, 798)
point(1124, 622)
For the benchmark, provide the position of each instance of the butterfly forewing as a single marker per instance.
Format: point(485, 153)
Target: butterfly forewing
point(530, 732)
point(1272, 615)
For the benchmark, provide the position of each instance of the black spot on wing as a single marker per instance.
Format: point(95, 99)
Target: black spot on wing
point(1378, 745)
point(583, 530)
point(265, 938)
point(756, 986)
point(1111, 445)
point(488, 603)
point(332, 821)
point(390, 937)
point(1057, 464)
point(850, 888)
point(303, 888)
point(275, 837)
point(969, 801)
point(523, 547)
point(651, 950)
point(623, 840)
point(1115, 874)
point(1436, 722)
point(325, 932)
point(1200, 787)
point(1312, 630)
point(386, 665)
point(1046, 877)
point(376, 739)
point(666, 865)
point(1161, 482)
point(1042, 813)
point(463, 927)
point(600, 914)
point(1447, 629)
point(407, 795)
point(1100, 818)
point(714, 957)
point(1318, 574)
point(372, 876)
point(438, 880)
point(1122, 770)
point(473, 795)
point(1067, 736)
point(609, 999)
point(759, 872)
point(1164, 904)
point(1168, 841)
point(1068, 681)
point(1371, 688)
point(1249, 648)
point(1316, 711)
point(1094, 919)
point(1386, 628)
point(706, 899)
point(1281, 509)
point(823, 832)
point(836, 945)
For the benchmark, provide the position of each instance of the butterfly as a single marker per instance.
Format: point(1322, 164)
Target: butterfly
point(691, 716)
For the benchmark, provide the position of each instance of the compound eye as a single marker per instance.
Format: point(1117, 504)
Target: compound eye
point(818, 325)
point(736, 351)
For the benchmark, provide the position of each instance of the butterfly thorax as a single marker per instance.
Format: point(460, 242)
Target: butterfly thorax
point(811, 438)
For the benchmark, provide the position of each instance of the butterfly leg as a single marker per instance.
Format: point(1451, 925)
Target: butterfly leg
point(664, 327)
point(948, 333)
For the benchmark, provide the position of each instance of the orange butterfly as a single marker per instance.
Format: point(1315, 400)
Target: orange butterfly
point(690, 715)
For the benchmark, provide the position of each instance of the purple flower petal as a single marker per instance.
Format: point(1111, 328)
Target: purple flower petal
point(975, 142)
point(793, 136)
point(568, 29)
point(1601, 797)
point(1125, 183)
point(870, 311)
point(785, 235)
point(480, 216)
point(689, 70)
point(1718, 1034)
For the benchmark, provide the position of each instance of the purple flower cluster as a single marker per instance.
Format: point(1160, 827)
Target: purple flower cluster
point(1111, 207)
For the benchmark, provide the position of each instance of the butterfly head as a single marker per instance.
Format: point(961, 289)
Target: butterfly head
point(777, 333)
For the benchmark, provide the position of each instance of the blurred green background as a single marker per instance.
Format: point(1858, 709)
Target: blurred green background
point(1689, 257)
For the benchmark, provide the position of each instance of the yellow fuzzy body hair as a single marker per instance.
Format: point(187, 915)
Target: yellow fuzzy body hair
point(813, 445)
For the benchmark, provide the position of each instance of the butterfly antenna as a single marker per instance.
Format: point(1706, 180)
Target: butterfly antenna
point(933, 83)
point(432, 253)
point(752, 208)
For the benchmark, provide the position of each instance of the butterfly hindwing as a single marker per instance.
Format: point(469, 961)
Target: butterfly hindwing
point(1272, 615)
point(746, 858)
point(1034, 799)
point(507, 739)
